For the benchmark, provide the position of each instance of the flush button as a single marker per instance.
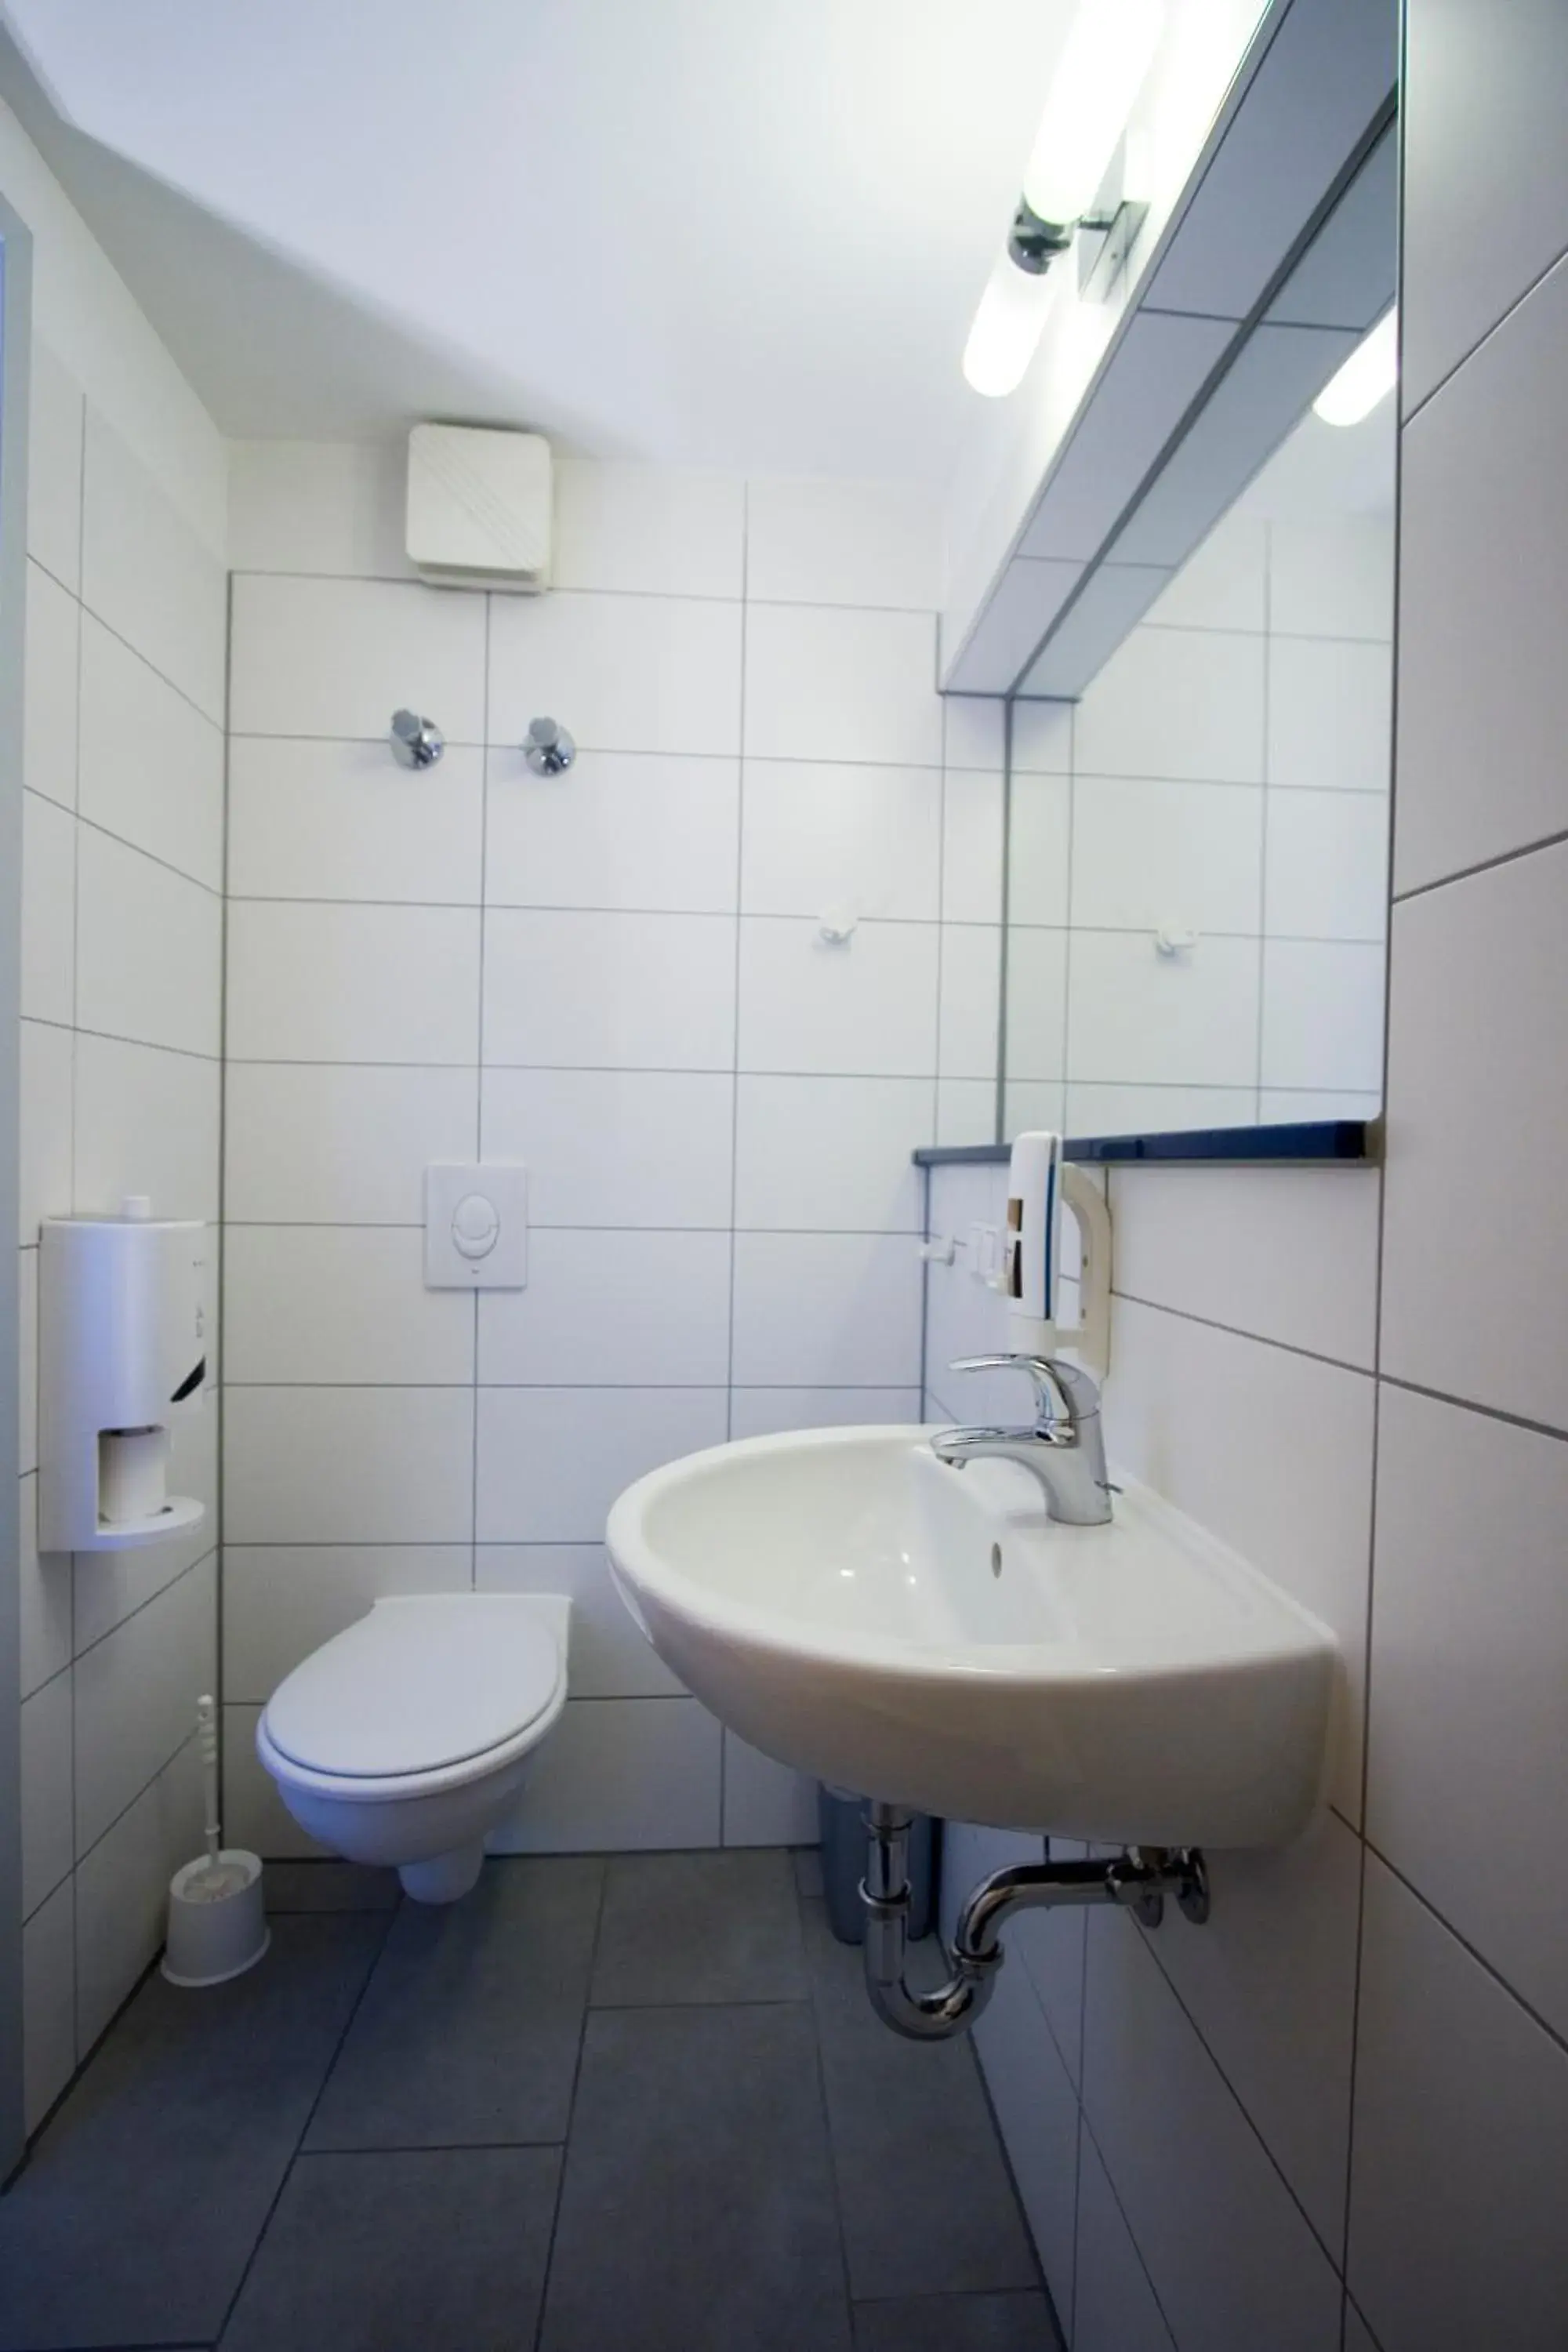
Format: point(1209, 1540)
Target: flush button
point(474, 1226)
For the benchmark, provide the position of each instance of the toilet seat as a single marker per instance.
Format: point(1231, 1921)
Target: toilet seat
point(427, 1692)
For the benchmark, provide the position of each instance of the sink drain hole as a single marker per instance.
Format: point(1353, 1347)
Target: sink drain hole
point(995, 1559)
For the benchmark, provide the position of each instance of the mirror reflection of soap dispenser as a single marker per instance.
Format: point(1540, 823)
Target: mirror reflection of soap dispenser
point(121, 1357)
point(1040, 1184)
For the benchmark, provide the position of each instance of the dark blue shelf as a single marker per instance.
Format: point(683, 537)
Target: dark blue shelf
point(1293, 1143)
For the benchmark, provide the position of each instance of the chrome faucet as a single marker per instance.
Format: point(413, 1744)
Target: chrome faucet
point(1064, 1448)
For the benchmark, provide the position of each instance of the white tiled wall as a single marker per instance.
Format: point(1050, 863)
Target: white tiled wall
point(1339, 2113)
point(1242, 1387)
point(1226, 775)
point(619, 978)
point(122, 872)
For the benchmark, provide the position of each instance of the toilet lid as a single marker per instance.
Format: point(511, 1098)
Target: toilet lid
point(420, 1682)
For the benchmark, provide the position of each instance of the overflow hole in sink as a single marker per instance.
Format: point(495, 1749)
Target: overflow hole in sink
point(995, 1559)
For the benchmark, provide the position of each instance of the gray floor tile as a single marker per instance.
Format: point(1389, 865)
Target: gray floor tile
point(402, 2251)
point(807, 1861)
point(468, 2034)
point(957, 2323)
point(330, 1886)
point(134, 2220)
point(697, 2213)
point(699, 1926)
point(927, 2201)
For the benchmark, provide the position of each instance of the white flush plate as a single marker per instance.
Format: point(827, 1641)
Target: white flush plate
point(476, 1227)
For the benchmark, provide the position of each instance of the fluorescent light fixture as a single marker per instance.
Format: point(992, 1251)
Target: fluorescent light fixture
point(1101, 69)
point(1368, 376)
point(1006, 328)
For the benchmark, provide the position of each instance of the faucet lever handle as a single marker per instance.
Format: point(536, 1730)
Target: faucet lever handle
point(998, 1363)
point(1050, 1402)
point(1062, 1393)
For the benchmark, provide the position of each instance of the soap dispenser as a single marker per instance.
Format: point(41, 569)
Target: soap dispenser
point(121, 1356)
point(1040, 1183)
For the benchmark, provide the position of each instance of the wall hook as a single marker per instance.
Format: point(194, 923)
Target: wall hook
point(1170, 939)
point(548, 749)
point(416, 743)
point(837, 925)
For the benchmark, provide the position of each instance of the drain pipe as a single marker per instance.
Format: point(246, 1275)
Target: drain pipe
point(1139, 1879)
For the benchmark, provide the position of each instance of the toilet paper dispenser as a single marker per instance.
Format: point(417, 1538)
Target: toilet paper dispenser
point(121, 1357)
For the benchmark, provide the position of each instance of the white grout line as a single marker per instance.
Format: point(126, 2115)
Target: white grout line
point(479, 1091)
point(1408, 415)
point(139, 849)
point(1481, 866)
point(564, 588)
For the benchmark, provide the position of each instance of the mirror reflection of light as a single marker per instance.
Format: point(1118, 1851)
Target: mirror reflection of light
point(1368, 376)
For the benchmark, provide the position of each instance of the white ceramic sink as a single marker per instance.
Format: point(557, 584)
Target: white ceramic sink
point(858, 1610)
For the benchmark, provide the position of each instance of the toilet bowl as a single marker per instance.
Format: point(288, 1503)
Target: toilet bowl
point(404, 1740)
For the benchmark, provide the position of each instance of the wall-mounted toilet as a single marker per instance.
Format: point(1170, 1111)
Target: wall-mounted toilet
point(404, 1740)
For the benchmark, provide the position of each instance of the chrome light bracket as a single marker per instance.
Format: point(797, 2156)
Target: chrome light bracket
point(1105, 246)
point(1109, 230)
point(1033, 243)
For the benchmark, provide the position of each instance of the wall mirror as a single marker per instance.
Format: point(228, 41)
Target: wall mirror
point(1197, 848)
point(1200, 742)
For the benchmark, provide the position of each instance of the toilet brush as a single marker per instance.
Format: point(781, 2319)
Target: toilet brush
point(217, 1917)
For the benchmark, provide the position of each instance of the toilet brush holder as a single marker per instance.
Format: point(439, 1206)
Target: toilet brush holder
point(217, 1919)
point(217, 1911)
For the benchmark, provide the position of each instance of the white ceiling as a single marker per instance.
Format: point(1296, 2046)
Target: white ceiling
point(738, 233)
